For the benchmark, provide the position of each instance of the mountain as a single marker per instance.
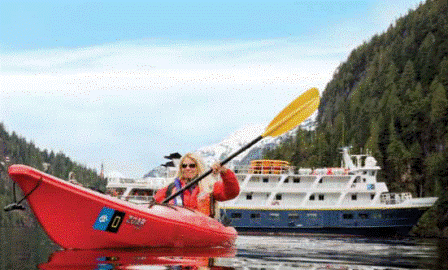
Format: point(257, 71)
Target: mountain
point(390, 98)
point(234, 142)
point(242, 137)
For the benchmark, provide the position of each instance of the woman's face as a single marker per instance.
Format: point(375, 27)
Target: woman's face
point(189, 169)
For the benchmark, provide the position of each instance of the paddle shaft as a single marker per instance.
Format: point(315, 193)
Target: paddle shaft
point(196, 180)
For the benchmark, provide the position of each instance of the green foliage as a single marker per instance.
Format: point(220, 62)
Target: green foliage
point(439, 105)
point(392, 94)
point(390, 97)
point(18, 151)
point(443, 73)
point(437, 172)
point(427, 226)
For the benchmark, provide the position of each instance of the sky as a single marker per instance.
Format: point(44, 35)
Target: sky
point(123, 83)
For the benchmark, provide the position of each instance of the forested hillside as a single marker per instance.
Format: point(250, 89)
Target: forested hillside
point(16, 150)
point(390, 98)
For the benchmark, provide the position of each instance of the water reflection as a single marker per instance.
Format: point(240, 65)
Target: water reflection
point(345, 252)
point(22, 249)
point(138, 259)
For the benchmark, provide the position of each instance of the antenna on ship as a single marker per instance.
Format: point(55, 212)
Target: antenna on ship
point(346, 158)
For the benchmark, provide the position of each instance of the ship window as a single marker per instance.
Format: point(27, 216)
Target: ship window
point(287, 180)
point(296, 179)
point(265, 180)
point(363, 216)
point(249, 196)
point(320, 181)
point(116, 191)
point(236, 215)
point(278, 196)
point(347, 216)
point(255, 215)
point(141, 192)
point(312, 197)
point(354, 197)
point(321, 197)
point(293, 216)
point(372, 196)
point(274, 216)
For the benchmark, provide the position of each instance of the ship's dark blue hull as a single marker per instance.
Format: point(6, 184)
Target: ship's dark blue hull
point(368, 222)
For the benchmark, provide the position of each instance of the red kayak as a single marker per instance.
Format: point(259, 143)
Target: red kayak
point(75, 217)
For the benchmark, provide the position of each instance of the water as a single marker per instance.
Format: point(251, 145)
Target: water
point(22, 248)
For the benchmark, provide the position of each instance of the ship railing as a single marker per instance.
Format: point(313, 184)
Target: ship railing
point(152, 182)
point(264, 169)
point(288, 170)
point(125, 181)
point(138, 199)
point(395, 198)
point(116, 180)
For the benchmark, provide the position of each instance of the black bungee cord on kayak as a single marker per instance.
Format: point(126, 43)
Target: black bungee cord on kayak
point(17, 205)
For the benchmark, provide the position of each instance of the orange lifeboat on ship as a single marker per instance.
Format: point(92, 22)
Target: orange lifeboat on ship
point(268, 166)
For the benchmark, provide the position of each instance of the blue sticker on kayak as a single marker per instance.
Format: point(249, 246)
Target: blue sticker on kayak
point(109, 220)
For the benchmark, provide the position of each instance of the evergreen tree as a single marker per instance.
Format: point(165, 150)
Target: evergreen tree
point(443, 73)
point(426, 59)
point(407, 80)
point(437, 172)
point(439, 113)
point(372, 142)
point(397, 157)
point(409, 46)
point(413, 115)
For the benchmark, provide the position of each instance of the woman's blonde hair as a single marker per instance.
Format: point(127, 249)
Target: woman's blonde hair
point(205, 185)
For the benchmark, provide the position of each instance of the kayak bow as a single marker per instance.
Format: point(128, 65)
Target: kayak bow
point(75, 217)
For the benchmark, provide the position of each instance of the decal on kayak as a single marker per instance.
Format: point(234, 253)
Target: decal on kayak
point(109, 220)
point(136, 221)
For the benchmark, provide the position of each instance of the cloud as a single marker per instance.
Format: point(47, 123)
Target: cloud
point(129, 103)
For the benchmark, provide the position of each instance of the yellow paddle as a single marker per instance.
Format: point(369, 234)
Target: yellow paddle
point(291, 116)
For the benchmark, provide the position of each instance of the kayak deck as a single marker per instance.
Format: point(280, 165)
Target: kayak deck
point(75, 217)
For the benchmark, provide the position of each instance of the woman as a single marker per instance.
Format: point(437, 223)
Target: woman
point(201, 196)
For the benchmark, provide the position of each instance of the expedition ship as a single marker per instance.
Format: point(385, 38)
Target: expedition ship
point(278, 198)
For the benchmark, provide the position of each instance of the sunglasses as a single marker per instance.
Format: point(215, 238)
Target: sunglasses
point(192, 165)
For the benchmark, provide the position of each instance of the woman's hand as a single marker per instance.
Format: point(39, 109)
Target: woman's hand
point(218, 168)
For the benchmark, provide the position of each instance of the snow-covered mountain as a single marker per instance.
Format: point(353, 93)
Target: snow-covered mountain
point(242, 137)
point(236, 141)
point(233, 143)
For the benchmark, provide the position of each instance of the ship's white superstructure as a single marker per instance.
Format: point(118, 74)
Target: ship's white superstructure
point(353, 185)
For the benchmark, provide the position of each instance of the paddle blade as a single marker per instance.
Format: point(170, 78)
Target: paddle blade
point(294, 114)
